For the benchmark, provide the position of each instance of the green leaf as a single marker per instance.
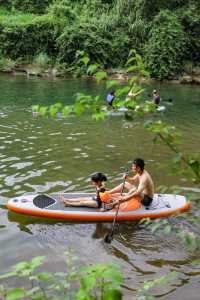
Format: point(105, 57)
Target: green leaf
point(88, 282)
point(112, 294)
point(92, 68)
point(45, 276)
point(58, 105)
point(66, 110)
point(156, 226)
point(112, 83)
point(37, 261)
point(122, 91)
point(43, 110)
point(35, 108)
point(53, 111)
point(79, 53)
point(22, 266)
point(133, 79)
point(114, 274)
point(85, 60)
point(167, 229)
point(79, 108)
point(100, 76)
point(7, 275)
point(132, 69)
point(15, 294)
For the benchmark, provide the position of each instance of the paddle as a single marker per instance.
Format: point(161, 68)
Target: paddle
point(109, 236)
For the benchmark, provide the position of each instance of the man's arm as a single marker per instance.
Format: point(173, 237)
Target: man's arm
point(132, 180)
point(136, 192)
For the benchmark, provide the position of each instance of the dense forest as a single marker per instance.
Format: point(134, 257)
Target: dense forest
point(165, 33)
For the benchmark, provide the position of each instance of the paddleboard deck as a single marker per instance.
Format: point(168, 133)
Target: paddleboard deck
point(50, 206)
point(161, 108)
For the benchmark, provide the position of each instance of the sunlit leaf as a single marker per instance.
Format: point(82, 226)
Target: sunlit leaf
point(66, 110)
point(88, 282)
point(92, 68)
point(15, 294)
point(7, 275)
point(22, 266)
point(45, 276)
point(112, 83)
point(85, 60)
point(37, 261)
point(35, 108)
point(43, 110)
point(100, 76)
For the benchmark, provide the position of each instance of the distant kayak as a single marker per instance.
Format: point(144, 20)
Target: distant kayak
point(119, 111)
point(161, 108)
point(49, 206)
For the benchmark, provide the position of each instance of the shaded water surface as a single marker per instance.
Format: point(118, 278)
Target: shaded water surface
point(49, 155)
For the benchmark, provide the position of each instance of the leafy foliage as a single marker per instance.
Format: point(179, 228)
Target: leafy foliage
point(26, 36)
point(105, 30)
point(190, 19)
point(32, 6)
point(164, 49)
point(83, 283)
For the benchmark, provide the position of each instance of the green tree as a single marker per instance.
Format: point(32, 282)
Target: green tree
point(165, 47)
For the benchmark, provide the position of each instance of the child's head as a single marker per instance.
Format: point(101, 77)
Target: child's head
point(112, 92)
point(98, 178)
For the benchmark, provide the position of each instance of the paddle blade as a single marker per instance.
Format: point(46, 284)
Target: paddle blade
point(108, 238)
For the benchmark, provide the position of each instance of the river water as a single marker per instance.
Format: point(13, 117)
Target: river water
point(50, 155)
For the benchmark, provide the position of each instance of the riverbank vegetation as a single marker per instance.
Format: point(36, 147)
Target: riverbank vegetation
point(166, 33)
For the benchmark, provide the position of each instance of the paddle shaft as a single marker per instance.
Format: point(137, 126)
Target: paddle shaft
point(114, 221)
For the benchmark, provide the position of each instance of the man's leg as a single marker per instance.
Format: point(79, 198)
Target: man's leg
point(119, 187)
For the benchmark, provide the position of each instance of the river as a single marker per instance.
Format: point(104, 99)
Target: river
point(50, 155)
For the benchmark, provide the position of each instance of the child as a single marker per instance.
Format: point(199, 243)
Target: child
point(98, 179)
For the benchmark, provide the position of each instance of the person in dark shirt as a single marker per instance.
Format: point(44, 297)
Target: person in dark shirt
point(110, 98)
point(156, 98)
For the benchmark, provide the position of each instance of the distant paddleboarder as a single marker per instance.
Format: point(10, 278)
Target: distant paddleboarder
point(110, 98)
point(156, 98)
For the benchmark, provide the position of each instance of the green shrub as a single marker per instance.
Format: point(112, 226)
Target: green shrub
point(27, 36)
point(31, 6)
point(62, 9)
point(104, 47)
point(165, 47)
point(190, 19)
point(42, 60)
point(6, 64)
point(75, 283)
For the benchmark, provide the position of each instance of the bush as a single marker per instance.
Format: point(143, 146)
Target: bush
point(62, 9)
point(6, 64)
point(42, 60)
point(27, 36)
point(164, 50)
point(31, 6)
point(190, 19)
point(102, 46)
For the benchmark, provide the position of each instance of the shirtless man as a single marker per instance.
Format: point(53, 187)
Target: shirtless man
point(143, 181)
point(131, 95)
